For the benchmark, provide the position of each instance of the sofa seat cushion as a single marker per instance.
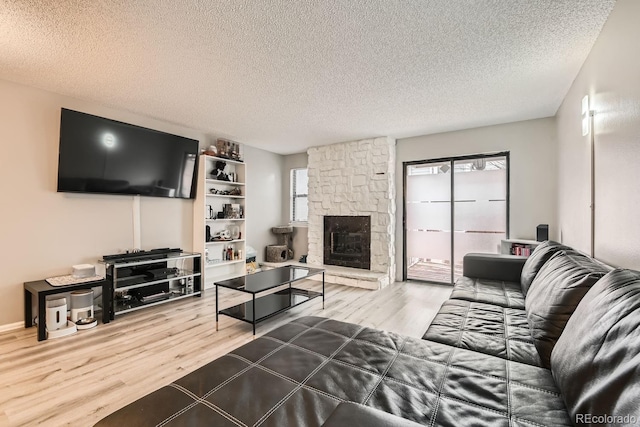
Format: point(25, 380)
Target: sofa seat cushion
point(299, 373)
point(596, 360)
point(536, 260)
point(485, 328)
point(504, 294)
point(554, 295)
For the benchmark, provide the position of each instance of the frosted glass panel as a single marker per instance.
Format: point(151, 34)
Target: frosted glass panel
point(480, 207)
point(428, 214)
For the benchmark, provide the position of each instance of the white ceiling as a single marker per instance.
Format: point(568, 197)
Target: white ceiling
point(286, 75)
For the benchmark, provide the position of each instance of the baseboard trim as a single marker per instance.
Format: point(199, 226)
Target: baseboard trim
point(11, 326)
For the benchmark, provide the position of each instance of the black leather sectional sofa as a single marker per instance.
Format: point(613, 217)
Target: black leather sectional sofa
point(552, 341)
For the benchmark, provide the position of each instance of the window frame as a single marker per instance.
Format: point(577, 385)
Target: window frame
point(294, 197)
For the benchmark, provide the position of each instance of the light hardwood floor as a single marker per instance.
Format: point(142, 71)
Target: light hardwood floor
point(79, 379)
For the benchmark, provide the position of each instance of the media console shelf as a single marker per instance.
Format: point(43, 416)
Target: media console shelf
point(148, 280)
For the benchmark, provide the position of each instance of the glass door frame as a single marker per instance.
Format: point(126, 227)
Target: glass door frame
point(451, 161)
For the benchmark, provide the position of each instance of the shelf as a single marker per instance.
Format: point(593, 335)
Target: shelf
point(222, 159)
point(154, 282)
point(270, 305)
point(224, 219)
point(122, 307)
point(172, 256)
point(222, 196)
point(224, 241)
point(218, 264)
point(218, 181)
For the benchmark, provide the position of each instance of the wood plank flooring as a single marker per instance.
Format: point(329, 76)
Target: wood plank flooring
point(79, 379)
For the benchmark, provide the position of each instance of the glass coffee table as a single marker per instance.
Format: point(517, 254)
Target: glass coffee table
point(264, 307)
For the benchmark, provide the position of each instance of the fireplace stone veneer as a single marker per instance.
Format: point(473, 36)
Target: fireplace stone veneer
point(347, 241)
point(355, 179)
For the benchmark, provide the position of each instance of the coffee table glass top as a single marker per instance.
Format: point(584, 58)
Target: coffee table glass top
point(269, 279)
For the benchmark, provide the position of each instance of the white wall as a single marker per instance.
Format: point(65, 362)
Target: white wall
point(265, 173)
point(533, 176)
point(611, 77)
point(43, 233)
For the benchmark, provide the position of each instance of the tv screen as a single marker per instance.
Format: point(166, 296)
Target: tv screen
point(99, 155)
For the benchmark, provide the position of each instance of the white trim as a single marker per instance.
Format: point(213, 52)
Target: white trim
point(11, 326)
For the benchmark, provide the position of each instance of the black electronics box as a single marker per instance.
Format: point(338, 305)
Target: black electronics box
point(146, 291)
point(542, 232)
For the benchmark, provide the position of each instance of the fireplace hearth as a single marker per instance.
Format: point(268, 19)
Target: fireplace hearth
point(347, 241)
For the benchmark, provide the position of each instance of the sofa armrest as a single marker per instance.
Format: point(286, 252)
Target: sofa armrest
point(354, 414)
point(507, 268)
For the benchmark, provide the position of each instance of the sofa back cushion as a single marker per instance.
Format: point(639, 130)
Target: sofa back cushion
point(536, 260)
point(596, 361)
point(554, 295)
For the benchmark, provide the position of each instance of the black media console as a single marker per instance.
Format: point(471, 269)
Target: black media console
point(145, 278)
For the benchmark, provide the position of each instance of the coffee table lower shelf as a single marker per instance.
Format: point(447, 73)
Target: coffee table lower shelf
point(262, 308)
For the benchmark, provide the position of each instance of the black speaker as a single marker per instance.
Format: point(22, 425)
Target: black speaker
point(542, 232)
point(207, 234)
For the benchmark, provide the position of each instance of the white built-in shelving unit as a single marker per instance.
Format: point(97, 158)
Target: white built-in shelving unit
point(207, 205)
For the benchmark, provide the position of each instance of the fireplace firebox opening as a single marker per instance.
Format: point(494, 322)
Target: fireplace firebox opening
point(347, 241)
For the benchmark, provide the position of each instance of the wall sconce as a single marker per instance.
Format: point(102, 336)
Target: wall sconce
point(586, 116)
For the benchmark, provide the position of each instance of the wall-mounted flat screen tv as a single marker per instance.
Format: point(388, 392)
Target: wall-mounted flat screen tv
point(99, 155)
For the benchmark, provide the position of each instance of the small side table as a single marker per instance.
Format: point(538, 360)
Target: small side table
point(40, 288)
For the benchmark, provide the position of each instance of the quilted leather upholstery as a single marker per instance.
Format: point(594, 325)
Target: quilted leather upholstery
point(596, 361)
point(490, 329)
point(536, 260)
point(554, 295)
point(504, 294)
point(353, 414)
point(297, 375)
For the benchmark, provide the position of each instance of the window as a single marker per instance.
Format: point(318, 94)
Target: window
point(299, 193)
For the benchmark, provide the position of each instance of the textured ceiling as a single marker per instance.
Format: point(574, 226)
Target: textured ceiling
point(286, 75)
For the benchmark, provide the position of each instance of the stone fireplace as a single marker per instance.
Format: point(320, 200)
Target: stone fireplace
point(354, 179)
point(347, 241)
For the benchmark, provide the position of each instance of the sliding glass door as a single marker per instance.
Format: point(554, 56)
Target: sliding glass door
point(428, 221)
point(466, 195)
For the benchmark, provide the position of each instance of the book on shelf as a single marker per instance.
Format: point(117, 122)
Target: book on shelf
point(520, 249)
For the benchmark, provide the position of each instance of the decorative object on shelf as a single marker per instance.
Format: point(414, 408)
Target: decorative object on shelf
point(232, 211)
point(218, 171)
point(233, 192)
point(221, 235)
point(234, 232)
point(229, 149)
point(211, 151)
